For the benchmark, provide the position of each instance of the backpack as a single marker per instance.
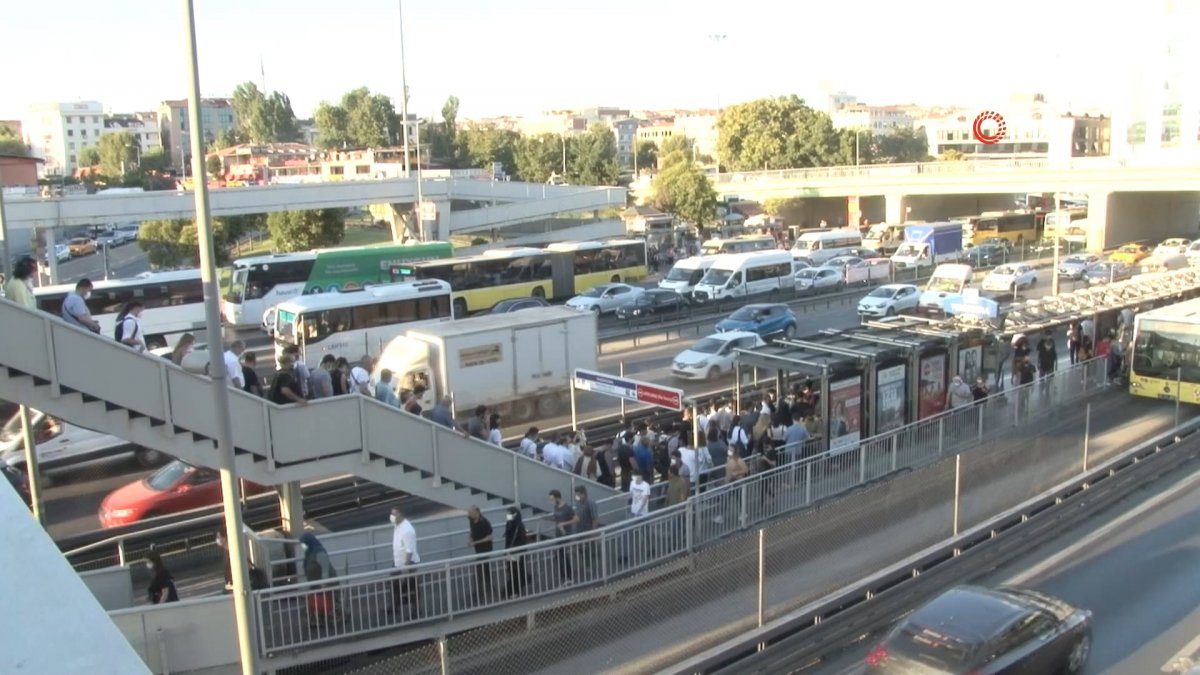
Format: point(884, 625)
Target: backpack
point(119, 331)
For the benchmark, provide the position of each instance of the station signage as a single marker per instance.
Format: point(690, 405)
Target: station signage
point(630, 390)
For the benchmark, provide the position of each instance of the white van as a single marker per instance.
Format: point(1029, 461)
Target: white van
point(819, 247)
point(686, 273)
point(743, 274)
point(742, 244)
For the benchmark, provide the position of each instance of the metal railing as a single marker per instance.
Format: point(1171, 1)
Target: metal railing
point(361, 604)
point(970, 166)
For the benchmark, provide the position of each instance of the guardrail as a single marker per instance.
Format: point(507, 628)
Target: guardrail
point(606, 557)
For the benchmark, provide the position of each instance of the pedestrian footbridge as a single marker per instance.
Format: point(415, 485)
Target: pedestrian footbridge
point(94, 382)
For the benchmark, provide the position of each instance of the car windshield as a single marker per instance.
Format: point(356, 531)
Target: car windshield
point(745, 314)
point(838, 262)
point(168, 477)
point(593, 292)
point(708, 345)
point(79, 240)
point(945, 285)
point(909, 249)
point(1076, 260)
point(1129, 249)
point(716, 277)
point(882, 292)
point(1004, 270)
point(679, 274)
point(807, 273)
point(930, 648)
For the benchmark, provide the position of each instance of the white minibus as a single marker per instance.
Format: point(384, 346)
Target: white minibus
point(740, 275)
point(818, 247)
point(742, 244)
point(686, 273)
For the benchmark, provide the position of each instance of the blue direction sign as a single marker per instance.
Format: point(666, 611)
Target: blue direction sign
point(630, 390)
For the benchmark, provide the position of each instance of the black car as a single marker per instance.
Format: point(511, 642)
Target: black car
point(987, 255)
point(517, 304)
point(654, 301)
point(969, 629)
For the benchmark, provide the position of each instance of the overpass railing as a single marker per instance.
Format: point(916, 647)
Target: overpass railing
point(316, 613)
point(966, 167)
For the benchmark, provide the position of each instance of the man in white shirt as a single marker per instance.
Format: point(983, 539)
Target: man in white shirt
point(404, 557)
point(233, 364)
point(554, 454)
point(529, 446)
point(639, 496)
point(687, 457)
point(360, 377)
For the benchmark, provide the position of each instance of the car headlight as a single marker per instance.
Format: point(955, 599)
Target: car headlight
point(637, 312)
point(701, 364)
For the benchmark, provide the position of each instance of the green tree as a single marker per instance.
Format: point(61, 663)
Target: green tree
point(647, 156)
point(175, 243)
point(482, 147)
point(212, 164)
point(118, 153)
point(89, 157)
point(791, 209)
point(902, 146)
point(154, 159)
point(677, 143)
point(306, 230)
point(777, 133)
point(855, 146)
point(682, 188)
point(537, 157)
point(362, 119)
point(951, 156)
point(264, 118)
point(227, 138)
point(592, 157)
point(10, 144)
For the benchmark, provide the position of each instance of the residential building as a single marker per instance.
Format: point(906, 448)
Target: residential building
point(700, 126)
point(143, 126)
point(216, 115)
point(251, 163)
point(835, 102)
point(56, 132)
point(1033, 132)
point(880, 120)
point(626, 132)
point(19, 171)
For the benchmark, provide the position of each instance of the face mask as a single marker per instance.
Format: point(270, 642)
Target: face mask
point(394, 519)
point(87, 296)
point(509, 517)
point(304, 546)
point(578, 498)
point(149, 565)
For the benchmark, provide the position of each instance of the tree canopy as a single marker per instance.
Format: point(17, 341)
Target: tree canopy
point(10, 144)
point(681, 187)
point(480, 147)
point(902, 146)
point(263, 118)
point(89, 157)
point(118, 153)
point(175, 243)
point(779, 133)
point(306, 230)
point(646, 156)
point(537, 157)
point(592, 157)
point(361, 119)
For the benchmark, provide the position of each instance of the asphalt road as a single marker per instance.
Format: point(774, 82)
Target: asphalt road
point(124, 261)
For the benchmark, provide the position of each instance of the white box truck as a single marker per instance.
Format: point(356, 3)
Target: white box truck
point(518, 364)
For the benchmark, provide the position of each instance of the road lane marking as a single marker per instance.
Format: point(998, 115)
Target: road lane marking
point(1073, 550)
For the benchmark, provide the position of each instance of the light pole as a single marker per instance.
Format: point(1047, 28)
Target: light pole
point(717, 39)
point(403, 89)
point(563, 137)
point(1059, 230)
point(230, 489)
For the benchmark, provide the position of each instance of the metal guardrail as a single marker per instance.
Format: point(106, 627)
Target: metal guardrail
point(372, 602)
point(966, 166)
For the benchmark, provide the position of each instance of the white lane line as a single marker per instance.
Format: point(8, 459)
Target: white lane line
point(1184, 660)
point(1074, 550)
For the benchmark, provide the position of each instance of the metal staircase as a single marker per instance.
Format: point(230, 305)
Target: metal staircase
point(94, 382)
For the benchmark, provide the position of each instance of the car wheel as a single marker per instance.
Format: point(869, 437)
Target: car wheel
point(837, 288)
point(714, 372)
point(891, 311)
point(789, 331)
point(539, 292)
point(1079, 654)
point(596, 309)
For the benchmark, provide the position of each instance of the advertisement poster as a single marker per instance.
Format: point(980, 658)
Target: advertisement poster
point(889, 399)
point(845, 414)
point(968, 363)
point(933, 386)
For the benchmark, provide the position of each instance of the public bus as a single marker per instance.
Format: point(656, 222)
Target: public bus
point(556, 272)
point(359, 322)
point(1074, 226)
point(259, 283)
point(173, 302)
point(1017, 228)
point(1165, 354)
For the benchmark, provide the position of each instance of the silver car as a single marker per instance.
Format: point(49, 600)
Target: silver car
point(1074, 266)
point(819, 280)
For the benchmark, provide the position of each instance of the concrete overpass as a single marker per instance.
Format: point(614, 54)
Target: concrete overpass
point(1135, 200)
point(507, 203)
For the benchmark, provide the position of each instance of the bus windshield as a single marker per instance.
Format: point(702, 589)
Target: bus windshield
point(285, 327)
point(716, 277)
point(1167, 349)
point(679, 274)
point(237, 284)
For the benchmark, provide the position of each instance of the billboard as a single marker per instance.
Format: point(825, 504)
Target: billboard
point(889, 398)
point(845, 413)
point(970, 362)
point(933, 386)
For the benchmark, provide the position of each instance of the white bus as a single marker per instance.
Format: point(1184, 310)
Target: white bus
point(738, 275)
point(173, 301)
point(740, 244)
point(359, 322)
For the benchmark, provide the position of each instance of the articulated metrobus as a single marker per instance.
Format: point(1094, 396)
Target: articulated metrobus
point(259, 283)
point(173, 302)
point(358, 322)
point(1166, 353)
point(557, 272)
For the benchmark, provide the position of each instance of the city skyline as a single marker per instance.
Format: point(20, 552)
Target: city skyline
point(501, 64)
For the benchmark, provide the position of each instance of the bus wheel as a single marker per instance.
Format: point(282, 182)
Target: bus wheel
point(460, 309)
point(523, 410)
point(156, 342)
point(616, 279)
point(548, 406)
point(539, 292)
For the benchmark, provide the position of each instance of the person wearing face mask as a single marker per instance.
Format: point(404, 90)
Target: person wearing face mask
point(162, 585)
point(19, 288)
point(639, 496)
point(404, 557)
point(564, 525)
point(515, 537)
point(74, 307)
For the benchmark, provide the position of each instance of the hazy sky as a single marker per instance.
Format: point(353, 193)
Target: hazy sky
point(523, 56)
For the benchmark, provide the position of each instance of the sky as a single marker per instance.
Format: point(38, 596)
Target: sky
point(524, 56)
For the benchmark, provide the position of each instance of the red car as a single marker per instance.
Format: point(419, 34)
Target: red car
point(175, 488)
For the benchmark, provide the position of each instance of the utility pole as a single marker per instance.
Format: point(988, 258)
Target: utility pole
point(717, 39)
point(403, 90)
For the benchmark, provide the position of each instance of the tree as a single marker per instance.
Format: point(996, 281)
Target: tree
point(777, 133)
point(10, 144)
point(89, 157)
point(481, 147)
point(902, 146)
point(154, 159)
point(175, 243)
point(362, 119)
point(118, 153)
point(227, 138)
point(264, 118)
point(855, 146)
point(592, 157)
point(537, 157)
point(678, 143)
point(213, 165)
point(951, 156)
point(791, 209)
point(682, 188)
point(305, 230)
point(646, 156)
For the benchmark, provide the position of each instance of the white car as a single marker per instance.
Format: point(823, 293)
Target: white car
point(1010, 278)
point(713, 356)
point(605, 298)
point(62, 253)
point(856, 270)
point(61, 445)
point(1169, 246)
point(890, 300)
point(819, 280)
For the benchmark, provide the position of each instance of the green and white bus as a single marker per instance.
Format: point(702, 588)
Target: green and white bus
point(259, 283)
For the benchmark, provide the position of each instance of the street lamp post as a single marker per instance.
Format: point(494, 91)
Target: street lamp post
point(1059, 230)
point(230, 489)
point(717, 39)
point(403, 89)
point(563, 137)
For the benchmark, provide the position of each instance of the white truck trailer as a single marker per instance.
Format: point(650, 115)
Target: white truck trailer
point(518, 364)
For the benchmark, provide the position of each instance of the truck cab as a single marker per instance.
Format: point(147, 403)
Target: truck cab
point(929, 245)
point(948, 282)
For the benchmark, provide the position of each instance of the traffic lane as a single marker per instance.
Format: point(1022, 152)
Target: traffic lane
point(123, 261)
point(72, 501)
